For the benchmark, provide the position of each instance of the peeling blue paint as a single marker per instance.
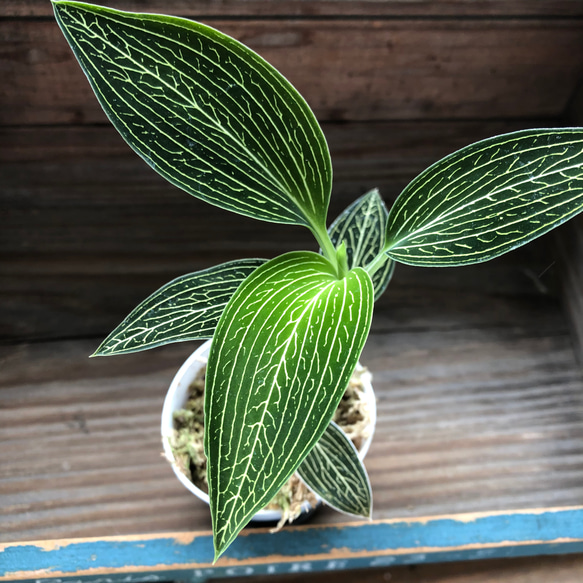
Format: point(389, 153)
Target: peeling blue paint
point(391, 542)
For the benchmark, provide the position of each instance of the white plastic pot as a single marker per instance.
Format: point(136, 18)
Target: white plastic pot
point(177, 397)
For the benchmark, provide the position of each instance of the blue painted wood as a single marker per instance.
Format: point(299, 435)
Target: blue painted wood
point(188, 556)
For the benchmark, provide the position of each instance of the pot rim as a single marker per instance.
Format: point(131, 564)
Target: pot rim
point(177, 395)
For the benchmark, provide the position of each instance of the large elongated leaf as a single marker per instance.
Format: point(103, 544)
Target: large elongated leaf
point(488, 198)
point(204, 111)
point(187, 308)
point(362, 227)
point(334, 471)
point(281, 358)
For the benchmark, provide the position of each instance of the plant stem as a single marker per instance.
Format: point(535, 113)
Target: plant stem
point(377, 263)
point(326, 245)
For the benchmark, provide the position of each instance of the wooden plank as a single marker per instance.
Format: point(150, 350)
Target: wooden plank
point(89, 230)
point(188, 556)
point(374, 69)
point(480, 405)
point(313, 8)
point(556, 568)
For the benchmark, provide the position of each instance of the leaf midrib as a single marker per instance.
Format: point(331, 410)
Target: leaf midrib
point(461, 177)
point(445, 216)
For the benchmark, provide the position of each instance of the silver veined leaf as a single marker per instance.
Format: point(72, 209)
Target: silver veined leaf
point(187, 308)
point(362, 226)
point(334, 472)
point(488, 198)
point(204, 111)
point(280, 361)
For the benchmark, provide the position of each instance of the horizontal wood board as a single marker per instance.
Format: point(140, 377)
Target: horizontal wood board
point(89, 230)
point(479, 388)
point(352, 69)
point(319, 8)
point(557, 568)
point(186, 557)
point(480, 408)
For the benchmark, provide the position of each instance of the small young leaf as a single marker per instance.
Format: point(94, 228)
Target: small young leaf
point(187, 308)
point(204, 111)
point(281, 358)
point(488, 198)
point(334, 471)
point(362, 226)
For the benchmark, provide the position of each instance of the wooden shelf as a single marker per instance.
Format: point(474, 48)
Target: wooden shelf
point(479, 444)
point(480, 403)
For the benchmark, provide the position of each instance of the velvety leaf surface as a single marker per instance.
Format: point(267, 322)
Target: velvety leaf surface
point(204, 111)
point(362, 227)
point(281, 358)
point(488, 198)
point(187, 308)
point(334, 471)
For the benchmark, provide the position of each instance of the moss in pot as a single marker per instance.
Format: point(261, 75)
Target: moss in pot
point(183, 431)
point(215, 119)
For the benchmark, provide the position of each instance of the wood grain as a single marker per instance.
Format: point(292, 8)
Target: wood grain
point(480, 395)
point(558, 569)
point(97, 465)
point(480, 404)
point(347, 70)
point(89, 230)
point(570, 253)
point(313, 8)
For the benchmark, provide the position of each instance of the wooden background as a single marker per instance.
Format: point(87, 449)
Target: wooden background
point(480, 390)
point(88, 229)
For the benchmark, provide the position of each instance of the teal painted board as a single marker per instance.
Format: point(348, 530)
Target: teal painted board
point(188, 556)
point(201, 575)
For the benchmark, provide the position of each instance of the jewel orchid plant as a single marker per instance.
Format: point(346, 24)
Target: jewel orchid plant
point(216, 120)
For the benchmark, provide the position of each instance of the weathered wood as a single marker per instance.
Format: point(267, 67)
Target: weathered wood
point(354, 69)
point(480, 406)
point(85, 451)
point(480, 396)
point(89, 230)
point(311, 8)
point(186, 556)
point(570, 253)
point(558, 569)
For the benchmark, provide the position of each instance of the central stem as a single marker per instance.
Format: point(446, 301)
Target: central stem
point(328, 249)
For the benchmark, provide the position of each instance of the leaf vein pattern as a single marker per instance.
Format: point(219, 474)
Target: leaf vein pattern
point(309, 175)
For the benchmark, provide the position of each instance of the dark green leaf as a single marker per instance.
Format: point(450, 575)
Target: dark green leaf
point(204, 111)
point(280, 361)
point(187, 308)
point(362, 227)
point(334, 471)
point(488, 198)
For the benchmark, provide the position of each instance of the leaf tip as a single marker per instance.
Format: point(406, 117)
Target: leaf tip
point(101, 350)
point(220, 547)
point(367, 514)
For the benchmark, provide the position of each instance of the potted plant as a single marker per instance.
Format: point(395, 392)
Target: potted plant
point(216, 120)
point(183, 430)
